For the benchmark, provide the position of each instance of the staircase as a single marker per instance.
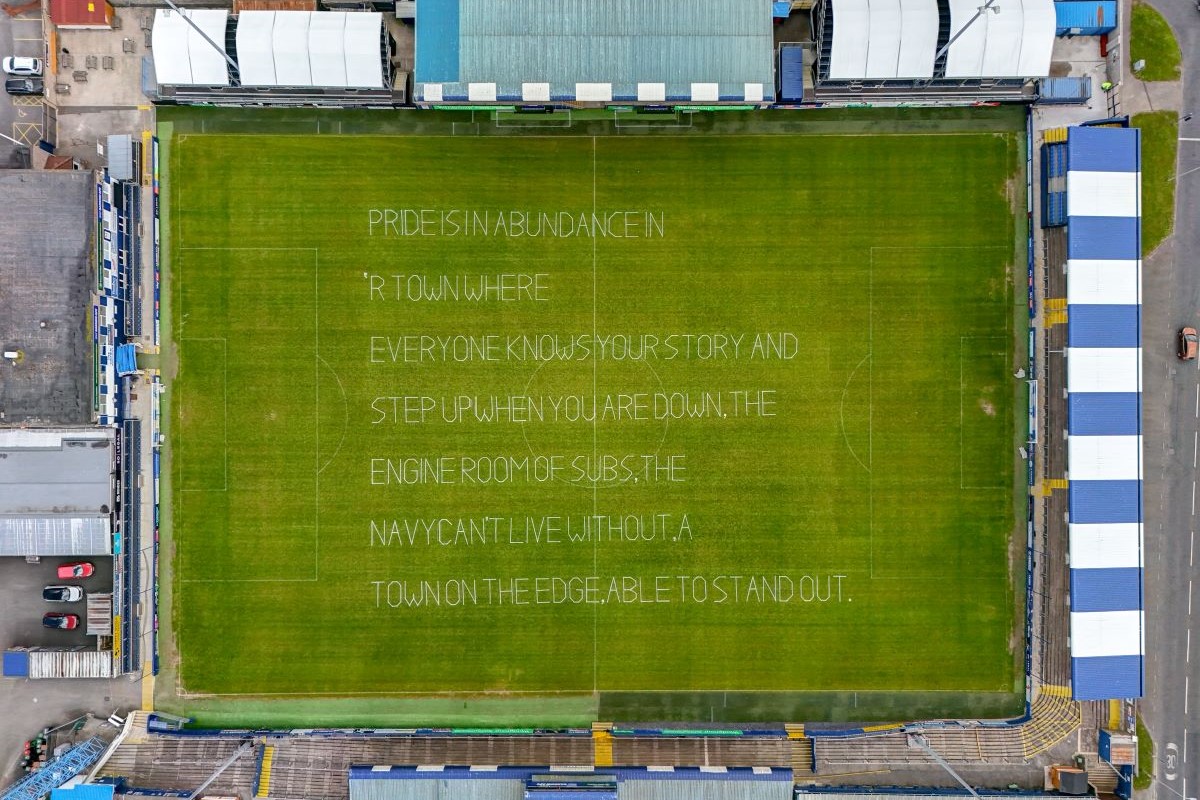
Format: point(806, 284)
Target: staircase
point(603, 742)
point(264, 773)
point(802, 749)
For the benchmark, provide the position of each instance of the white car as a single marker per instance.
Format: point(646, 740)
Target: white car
point(27, 67)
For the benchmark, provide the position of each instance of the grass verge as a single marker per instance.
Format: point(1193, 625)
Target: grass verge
point(1159, 129)
point(1152, 41)
point(1145, 773)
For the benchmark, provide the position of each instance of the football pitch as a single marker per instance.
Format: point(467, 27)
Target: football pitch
point(643, 419)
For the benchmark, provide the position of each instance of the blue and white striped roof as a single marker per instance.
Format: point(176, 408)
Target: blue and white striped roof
point(1104, 428)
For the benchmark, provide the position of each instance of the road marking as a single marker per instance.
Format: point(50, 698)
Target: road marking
point(1195, 444)
point(1193, 498)
point(1186, 139)
point(1192, 551)
point(1187, 652)
point(1186, 679)
point(1190, 595)
point(1169, 772)
point(1185, 745)
point(1198, 401)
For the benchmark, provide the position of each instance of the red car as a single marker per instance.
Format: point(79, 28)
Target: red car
point(66, 622)
point(76, 569)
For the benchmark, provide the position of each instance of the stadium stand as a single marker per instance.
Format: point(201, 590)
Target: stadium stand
point(1104, 443)
point(637, 51)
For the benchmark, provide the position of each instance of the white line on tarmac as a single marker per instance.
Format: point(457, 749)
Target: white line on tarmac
point(1195, 447)
point(1198, 401)
point(1192, 550)
point(1193, 498)
point(1189, 598)
point(1185, 696)
point(1188, 139)
point(1185, 745)
point(1187, 652)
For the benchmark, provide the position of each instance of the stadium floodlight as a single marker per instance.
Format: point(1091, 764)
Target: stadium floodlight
point(990, 5)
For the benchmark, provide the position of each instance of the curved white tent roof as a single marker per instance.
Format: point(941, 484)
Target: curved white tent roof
point(326, 49)
point(897, 39)
point(182, 57)
point(256, 55)
point(1013, 39)
point(311, 49)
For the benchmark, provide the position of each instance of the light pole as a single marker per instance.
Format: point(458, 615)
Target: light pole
point(979, 12)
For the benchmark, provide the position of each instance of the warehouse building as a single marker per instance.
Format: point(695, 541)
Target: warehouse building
point(489, 52)
point(56, 491)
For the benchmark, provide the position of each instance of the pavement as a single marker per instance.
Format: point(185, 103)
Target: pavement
point(1171, 421)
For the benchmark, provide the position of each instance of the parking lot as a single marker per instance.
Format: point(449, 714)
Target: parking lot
point(21, 118)
point(21, 624)
point(28, 706)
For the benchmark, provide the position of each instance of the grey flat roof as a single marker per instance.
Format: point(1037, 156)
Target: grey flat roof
point(61, 472)
point(46, 278)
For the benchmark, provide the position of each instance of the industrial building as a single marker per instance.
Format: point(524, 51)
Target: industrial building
point(56, 491)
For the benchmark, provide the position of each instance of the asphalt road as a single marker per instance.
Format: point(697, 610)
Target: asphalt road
point(1171, 412)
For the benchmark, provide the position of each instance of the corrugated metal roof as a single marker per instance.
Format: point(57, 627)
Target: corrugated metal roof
point(1106, 501)
point(704, 790)
point(618, 42)
point(1104, 149)
point(54, 536)
point(437, 789)
point(1106, 677)
point(1091, 17)
point(1104, 326)
point(1106, 589)
point(1102, 238)
point(1104, 414)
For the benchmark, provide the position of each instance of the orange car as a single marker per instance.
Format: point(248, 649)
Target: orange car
point(1187, 344)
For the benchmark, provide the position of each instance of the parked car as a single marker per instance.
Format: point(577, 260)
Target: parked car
point(62, 594)
point(1187, 344)
point(76, 569)
point(24, 86)
point(66, 622)
point(23, 66)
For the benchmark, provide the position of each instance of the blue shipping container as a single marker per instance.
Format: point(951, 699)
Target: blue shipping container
point(1065, 90)
point(1091, 18)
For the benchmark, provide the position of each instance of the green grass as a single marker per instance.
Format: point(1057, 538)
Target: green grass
point(1145, 773)
point(1160, 130)
point(1152, 41)
point(884, 455)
